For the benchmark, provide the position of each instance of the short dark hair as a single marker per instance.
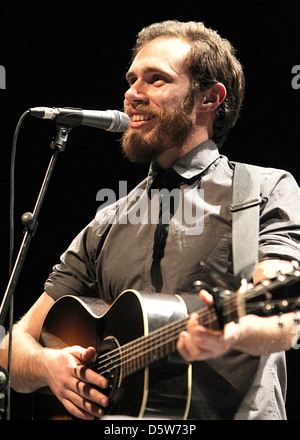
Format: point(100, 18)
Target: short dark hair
point(212, 59)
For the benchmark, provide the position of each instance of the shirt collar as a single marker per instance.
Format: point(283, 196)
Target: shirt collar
point(194, 163)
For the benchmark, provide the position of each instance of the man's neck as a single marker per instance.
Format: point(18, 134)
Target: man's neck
point(169, 156)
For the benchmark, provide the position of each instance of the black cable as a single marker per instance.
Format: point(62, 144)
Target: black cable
point(12, 189)
point(11, 252)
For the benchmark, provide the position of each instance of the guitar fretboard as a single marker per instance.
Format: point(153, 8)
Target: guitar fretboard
point(145, 350)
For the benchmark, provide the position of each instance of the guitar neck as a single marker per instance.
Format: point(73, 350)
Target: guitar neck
point(264, 299)
point(146, 350)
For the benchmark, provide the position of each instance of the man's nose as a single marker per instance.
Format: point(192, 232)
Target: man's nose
point(135, 94)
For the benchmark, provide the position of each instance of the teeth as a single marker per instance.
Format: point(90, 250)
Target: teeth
point(137, 118)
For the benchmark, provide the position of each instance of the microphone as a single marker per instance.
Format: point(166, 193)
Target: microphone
point(109, 120)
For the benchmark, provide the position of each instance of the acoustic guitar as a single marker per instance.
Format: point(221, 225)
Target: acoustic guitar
point(135, 339)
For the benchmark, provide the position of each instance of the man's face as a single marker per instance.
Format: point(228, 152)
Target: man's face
point(158, 101)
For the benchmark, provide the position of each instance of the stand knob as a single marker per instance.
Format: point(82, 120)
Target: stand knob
point(29, 222)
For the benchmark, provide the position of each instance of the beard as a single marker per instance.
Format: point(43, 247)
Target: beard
point(171, 130)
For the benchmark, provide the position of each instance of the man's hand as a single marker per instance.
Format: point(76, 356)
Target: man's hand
point(198, 343)
point(253, 334)
point(74, 384)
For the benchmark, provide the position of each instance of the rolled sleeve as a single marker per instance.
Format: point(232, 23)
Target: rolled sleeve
point(280, 217)
point(74, 275)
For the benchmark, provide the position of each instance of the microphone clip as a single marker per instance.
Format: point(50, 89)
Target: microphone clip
point(60, 140)
point(65, 122)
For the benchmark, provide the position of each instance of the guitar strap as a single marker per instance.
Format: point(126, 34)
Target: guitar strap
point(245, 219)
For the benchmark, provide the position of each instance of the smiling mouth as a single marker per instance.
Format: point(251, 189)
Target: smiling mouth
point(141, 117)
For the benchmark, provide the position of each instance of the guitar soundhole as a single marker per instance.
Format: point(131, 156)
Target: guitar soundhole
point(108, 366)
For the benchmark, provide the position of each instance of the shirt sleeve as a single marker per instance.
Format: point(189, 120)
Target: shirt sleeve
point(280, 216)
point(76, 272)
point(74, 275)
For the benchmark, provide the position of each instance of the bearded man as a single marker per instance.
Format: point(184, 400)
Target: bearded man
point(186, 88)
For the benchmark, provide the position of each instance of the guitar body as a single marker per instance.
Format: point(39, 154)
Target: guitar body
point(161, 389)
point(135, 339)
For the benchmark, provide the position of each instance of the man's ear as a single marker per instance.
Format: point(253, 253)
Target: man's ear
point(212, 98)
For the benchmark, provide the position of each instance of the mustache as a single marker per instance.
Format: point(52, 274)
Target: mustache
point(165, 111)
point(131, 108)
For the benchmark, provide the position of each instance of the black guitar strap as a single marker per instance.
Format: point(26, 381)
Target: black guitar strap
point(245, 219)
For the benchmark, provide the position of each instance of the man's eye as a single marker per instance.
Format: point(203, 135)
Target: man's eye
point(131, 81)
point(157, 78)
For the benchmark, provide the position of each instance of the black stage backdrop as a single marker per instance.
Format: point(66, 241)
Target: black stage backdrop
point(75, 54)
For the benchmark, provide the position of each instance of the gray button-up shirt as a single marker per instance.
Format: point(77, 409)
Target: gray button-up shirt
point(115, 252)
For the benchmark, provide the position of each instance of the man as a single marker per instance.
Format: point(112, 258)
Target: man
point(185, 93)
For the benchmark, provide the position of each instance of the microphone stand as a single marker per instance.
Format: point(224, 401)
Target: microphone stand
point(29, 220)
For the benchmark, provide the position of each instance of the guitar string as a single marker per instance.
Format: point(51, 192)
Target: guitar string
point(130, 364)
point(135, 346)
point(141, 356)
point(126, 352)
point(144, 342)
point(150, 342)
point(140, 341)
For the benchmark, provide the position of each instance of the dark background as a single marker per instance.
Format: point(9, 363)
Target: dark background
point(76, 54)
